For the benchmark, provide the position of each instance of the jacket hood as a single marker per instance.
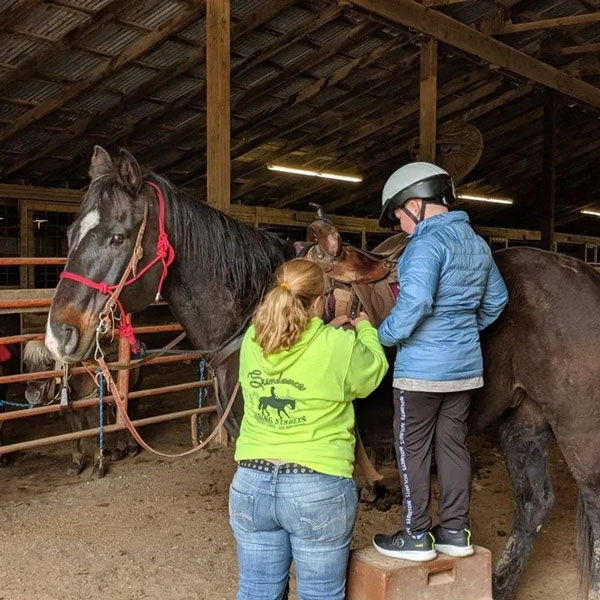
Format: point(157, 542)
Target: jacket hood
point(284, 359)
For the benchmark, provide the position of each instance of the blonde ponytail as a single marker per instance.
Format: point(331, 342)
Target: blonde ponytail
point(285, 311)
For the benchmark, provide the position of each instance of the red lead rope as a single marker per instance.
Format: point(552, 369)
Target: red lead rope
point(165, 253)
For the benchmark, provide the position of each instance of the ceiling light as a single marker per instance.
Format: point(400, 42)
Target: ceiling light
point(310, 173)
point(484, 199)
point(596, 213)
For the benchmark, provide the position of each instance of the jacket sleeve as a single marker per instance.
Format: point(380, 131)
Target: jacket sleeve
point(494, 299)
point(368, 363)
point(418, 278)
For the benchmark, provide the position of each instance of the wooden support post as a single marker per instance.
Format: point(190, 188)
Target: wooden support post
point(218, 157)
point(549, 169)
point(428, 101)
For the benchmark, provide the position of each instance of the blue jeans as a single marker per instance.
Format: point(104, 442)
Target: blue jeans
point(277, 517)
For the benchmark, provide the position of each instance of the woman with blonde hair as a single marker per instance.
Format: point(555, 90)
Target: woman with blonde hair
point(293, 497)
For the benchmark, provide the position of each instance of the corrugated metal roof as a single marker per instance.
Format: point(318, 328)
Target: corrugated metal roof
point(72, 65)
point(15, 49)
point(10, 111)
point(95, 5)
point(251, 43)
point(291, 19)
point(179, 118)
point(6, 4)
point(112, 38)
point(293, 54)
point(330, 65)
point(139, 110)
point(93, 100)
point(129, 78)
point(167, 55)
point(195, 33)
point(152, 13)
point(291, 86)
point(51, 21)
point(243, 8)
point(33, 90)
point(329, 32)
point(26, 140)
point(255, 76)
point(178, 88)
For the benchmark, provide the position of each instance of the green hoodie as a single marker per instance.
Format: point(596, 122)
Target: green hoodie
point(298, 402)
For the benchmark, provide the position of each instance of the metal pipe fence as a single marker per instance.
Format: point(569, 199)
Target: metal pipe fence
point(124, 360)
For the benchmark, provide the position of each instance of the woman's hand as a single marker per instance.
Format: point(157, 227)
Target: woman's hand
point(362, 316)
point(339, 321)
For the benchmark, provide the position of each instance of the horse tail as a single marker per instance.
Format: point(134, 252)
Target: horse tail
point(585, 545)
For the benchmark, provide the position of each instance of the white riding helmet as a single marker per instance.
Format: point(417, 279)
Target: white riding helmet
point(421, 180)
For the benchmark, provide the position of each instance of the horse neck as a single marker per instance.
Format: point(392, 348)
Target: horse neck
point(201, 301)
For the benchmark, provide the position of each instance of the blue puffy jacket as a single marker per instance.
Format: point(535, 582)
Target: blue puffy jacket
point(450, 289)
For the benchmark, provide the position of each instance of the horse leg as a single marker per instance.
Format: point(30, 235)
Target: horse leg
point(75, 419)
point(582, 455)
point(525, 435)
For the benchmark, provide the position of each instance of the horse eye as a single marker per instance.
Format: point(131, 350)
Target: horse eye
point(117, 239)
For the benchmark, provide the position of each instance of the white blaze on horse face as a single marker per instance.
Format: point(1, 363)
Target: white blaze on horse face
point(88, 223)
point(51, 341)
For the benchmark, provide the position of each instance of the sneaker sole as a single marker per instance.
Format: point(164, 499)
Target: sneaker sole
point(414, 555)
point(458, 551)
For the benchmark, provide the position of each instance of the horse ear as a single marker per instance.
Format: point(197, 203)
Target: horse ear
point(101, 163)
point(130, 173)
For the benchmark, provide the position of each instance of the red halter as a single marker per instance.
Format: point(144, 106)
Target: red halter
point(165, 253)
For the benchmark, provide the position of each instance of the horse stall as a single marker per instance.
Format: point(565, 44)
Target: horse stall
point(138, 141)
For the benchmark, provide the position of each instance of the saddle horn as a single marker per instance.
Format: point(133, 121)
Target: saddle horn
point(320, 212)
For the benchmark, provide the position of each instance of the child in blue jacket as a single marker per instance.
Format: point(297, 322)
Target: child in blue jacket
point(450, 289)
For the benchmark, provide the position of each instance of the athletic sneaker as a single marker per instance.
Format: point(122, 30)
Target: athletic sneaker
point(455, 542)
point(419, 547)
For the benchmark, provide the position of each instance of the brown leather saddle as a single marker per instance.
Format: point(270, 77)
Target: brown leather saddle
point(358, 279)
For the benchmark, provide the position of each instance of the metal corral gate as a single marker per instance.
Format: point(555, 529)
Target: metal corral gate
point(29, 300)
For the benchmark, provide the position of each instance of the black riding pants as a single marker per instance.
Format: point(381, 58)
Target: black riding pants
point(423, 420)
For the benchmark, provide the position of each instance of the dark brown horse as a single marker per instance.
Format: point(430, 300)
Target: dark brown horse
point(542, 368)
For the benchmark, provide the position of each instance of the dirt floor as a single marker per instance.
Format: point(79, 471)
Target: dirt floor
point(158, 529)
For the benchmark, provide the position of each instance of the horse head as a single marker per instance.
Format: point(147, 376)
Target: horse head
point(101, 242)
point(36, 357)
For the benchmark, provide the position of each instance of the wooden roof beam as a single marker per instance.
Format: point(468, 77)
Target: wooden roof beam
point(450, 31)
point(131, 53)
point(583, 19)
point(580, 49)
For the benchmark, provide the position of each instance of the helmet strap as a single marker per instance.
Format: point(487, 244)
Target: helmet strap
point(421, 217)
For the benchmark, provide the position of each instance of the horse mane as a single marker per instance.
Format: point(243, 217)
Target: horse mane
point(240, 256)
point(35, 353)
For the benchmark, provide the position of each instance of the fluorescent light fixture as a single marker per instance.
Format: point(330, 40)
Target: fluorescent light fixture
point(596, 213)
point(310, 173)
point(484, 199)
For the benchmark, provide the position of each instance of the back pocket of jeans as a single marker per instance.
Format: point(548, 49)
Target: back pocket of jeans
point(241, 510)
point(322, 520)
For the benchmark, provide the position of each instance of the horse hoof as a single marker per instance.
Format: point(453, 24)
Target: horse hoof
point(368, 494)
point(99, 471)
point(133, 450)
point(75, 469)
point(118, 454)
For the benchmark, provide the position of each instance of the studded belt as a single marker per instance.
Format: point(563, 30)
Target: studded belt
point(268, 467)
